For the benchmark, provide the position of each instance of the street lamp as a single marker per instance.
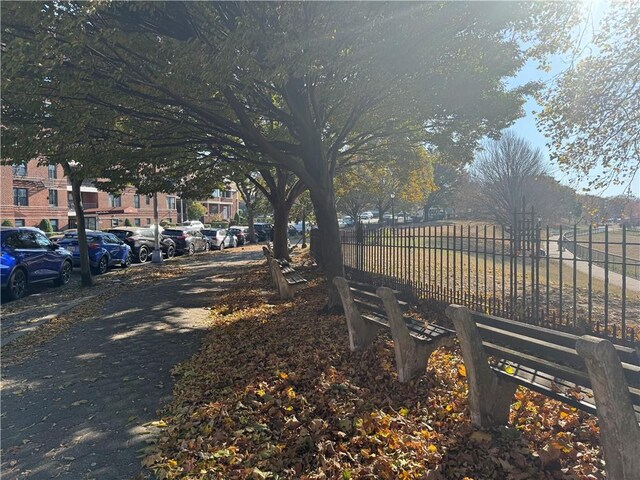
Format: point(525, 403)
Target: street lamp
point(393, 212)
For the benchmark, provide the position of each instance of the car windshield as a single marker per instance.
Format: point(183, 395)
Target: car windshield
point(173, 233)
point(122, 234)
point(209, 232)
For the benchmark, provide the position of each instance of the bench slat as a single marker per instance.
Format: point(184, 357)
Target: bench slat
point(565, 339)
point(373, 298)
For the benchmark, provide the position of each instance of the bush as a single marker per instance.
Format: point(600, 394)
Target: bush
point(7, 223)
point(127, 223)
point(45, 225)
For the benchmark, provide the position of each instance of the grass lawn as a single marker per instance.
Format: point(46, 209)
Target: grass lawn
point(275, 393)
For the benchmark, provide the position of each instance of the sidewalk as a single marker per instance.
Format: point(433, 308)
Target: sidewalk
point(78, 409)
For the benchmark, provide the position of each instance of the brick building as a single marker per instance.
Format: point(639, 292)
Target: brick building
point(223, 204)
point(32, 192)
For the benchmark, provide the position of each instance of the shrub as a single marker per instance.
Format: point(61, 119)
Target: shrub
point(45, 225)
point(7, 223)
point(127, 223)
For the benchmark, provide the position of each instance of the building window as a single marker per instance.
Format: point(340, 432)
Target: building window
point(171, 203)
point(148, 221)
point(53, 171)
point(147, 200)
point(136, 201)
point(114, 222)
point(54, 224)
point(225, 212)
point(216, 193)
point(227, 194)
point(115, 200)
point(53, 198)
point(20, 170)
point(136, 222)
point(20, 222)
point(20, 197)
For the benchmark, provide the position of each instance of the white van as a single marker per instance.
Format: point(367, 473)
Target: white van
point(194, 224)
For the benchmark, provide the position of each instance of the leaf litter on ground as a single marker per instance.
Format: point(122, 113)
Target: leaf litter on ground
point(275, 393)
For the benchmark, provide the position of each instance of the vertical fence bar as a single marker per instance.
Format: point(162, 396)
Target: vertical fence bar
point(575, 275)
point(548, 275)
point(430, 263)
point(448, 253)
point(469, 260)
point(590, 275)
point(475, 259)
point(606, 278)
point(503, 269)
point(560, 280)
point(484, 259)
point(441, 260)
point(624, 282)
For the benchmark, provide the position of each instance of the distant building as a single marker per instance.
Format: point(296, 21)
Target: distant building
point(32, 192)
point(223, 204)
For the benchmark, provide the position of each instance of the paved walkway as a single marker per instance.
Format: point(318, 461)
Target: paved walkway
point(583, 266)
point(77, 409)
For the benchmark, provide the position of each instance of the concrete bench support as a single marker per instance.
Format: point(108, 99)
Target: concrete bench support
point(412, 354)
point(619, 429)
point(361, 332)
point(285, 290)
point(489, 396)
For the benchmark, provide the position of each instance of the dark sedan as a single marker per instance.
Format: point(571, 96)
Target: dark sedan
point(142, 242)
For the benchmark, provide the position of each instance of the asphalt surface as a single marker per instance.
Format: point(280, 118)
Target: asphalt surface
point(80, 408)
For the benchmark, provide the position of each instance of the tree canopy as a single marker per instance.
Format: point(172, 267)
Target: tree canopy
point(309, 85)
point(592, 112)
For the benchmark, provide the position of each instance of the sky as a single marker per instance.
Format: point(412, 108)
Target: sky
point(526, 126)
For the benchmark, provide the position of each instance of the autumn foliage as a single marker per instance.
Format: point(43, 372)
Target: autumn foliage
point(275, 393)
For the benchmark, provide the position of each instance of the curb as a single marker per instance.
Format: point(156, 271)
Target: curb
point(47, 318)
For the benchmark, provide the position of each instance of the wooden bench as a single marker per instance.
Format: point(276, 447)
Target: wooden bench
point(285, 278)
point(369, 309)
point(588, 373)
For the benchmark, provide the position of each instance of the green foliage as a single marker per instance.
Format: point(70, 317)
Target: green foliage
point(7, 223)
point(195, 210)
point(45, 225)
point(591, 112)
point(127, 223)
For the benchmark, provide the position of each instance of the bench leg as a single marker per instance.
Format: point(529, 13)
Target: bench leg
point(411, 355)
point(619, 429)
point(489, 396)
point(361, 333)
point(284, 289)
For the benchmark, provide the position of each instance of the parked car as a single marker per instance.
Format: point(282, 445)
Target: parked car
point(220, 238)
point(187, 240)
point(105, 250)
point(193, 224)
point(28, 257)
point(241, 233)
point(70, 231)
point(264, 231)
point(142, 242)
point(366, 215)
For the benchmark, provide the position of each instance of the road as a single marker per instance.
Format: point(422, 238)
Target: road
point(78, 409)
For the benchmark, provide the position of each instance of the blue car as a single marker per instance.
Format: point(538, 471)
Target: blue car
point(28, 256)
point(105, 250)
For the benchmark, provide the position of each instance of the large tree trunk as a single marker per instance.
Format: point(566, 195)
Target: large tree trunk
point(281, 211)
point(85, 267)
point(330, 245)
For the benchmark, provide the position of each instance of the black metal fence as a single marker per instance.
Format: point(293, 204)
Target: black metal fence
point(543, 276)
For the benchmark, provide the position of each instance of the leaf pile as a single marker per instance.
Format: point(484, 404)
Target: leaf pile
point(275, 393)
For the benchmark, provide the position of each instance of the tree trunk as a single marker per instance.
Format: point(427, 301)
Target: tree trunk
point(250, 217)
point(281, 211)
point(85, 267)
point(330, 245)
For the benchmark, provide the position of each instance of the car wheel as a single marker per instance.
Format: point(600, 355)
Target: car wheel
point(192, 249)
point(17, 285)
point(143, 254)
point(65, 274)
point(103, 265)
point(127, 260)
point(171, 251)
